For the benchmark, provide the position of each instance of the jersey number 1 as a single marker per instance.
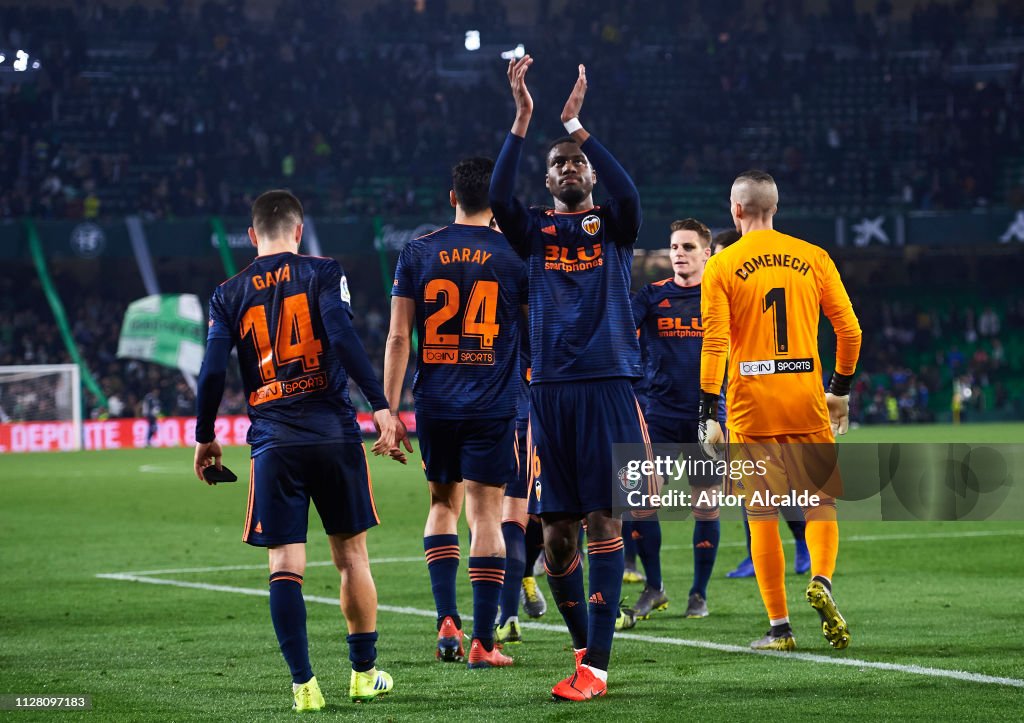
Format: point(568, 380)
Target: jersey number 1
point(776, 300)
point(295, 340)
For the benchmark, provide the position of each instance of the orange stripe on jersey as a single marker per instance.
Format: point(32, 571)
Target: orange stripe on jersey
point(662, 282)
point(252, 499)
point(438, 230)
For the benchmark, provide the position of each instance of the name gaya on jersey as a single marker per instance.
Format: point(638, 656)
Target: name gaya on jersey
point(284, 373)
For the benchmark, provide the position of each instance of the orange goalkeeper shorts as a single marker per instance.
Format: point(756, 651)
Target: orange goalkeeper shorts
point(786, 470)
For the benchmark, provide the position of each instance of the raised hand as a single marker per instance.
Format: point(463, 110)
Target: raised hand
point(520, 93)
point(575, 103)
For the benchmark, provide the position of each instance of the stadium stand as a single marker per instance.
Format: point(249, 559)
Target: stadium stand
point(198, 111)
point(187, 118)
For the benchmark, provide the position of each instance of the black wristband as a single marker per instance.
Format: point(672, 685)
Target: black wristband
point(840, 384)
point(708, 406)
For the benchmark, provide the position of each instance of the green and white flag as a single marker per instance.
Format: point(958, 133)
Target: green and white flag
point(167, 329)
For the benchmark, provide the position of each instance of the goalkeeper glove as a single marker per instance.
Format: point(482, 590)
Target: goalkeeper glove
point(709, 431)
point(837, 399)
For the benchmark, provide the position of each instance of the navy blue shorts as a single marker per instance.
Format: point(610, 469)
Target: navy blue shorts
point(283, 480)
point(574, 427)
point(675, 437)
point(518, 487)
point(482, 450)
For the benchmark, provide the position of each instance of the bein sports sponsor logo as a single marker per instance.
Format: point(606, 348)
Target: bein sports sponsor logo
point(756, 368)
point(287, 388)
point(776, 366)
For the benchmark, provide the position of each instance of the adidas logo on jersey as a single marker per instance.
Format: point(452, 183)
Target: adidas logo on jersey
point(665, 304)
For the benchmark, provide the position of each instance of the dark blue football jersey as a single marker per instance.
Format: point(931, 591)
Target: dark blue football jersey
point(581, 326)
point(671, 334)
point(469, 287)
point(295, 384)
point(580, 321)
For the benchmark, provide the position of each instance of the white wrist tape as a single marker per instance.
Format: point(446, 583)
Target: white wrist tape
point(572, 125)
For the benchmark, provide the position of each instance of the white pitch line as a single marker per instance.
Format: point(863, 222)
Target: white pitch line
point(229, 568)
point(720, 647)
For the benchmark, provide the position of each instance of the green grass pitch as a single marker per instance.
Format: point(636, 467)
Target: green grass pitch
point(921, 598)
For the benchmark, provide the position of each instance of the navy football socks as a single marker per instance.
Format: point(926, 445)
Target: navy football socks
point(567, 590)
point(362, 650)
point(488, 577)
point(515, 564)
point(442, 552)
point(706, 534)
point(606, 566)
point(647, 534)
point(288, 613)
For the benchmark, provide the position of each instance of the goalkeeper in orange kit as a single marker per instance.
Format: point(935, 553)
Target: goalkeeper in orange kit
point(760, 306)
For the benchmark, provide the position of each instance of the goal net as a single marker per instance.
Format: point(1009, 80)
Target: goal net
point(40, 408)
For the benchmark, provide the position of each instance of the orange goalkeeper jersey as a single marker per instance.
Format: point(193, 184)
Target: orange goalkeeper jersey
point(760, 302)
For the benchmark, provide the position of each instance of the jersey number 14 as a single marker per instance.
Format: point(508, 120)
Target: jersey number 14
point(294, 341)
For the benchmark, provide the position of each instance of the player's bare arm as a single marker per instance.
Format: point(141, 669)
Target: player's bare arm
point(207, 453)
point(521, 94)
point(574, 104)
point(396, 361)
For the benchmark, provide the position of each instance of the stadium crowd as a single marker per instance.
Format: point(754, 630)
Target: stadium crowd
point(863, 110)
point(173, 122)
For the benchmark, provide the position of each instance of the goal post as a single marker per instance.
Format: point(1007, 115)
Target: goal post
point(40, 407)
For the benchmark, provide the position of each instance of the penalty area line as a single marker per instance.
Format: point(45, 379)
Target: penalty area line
point(651, 639)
